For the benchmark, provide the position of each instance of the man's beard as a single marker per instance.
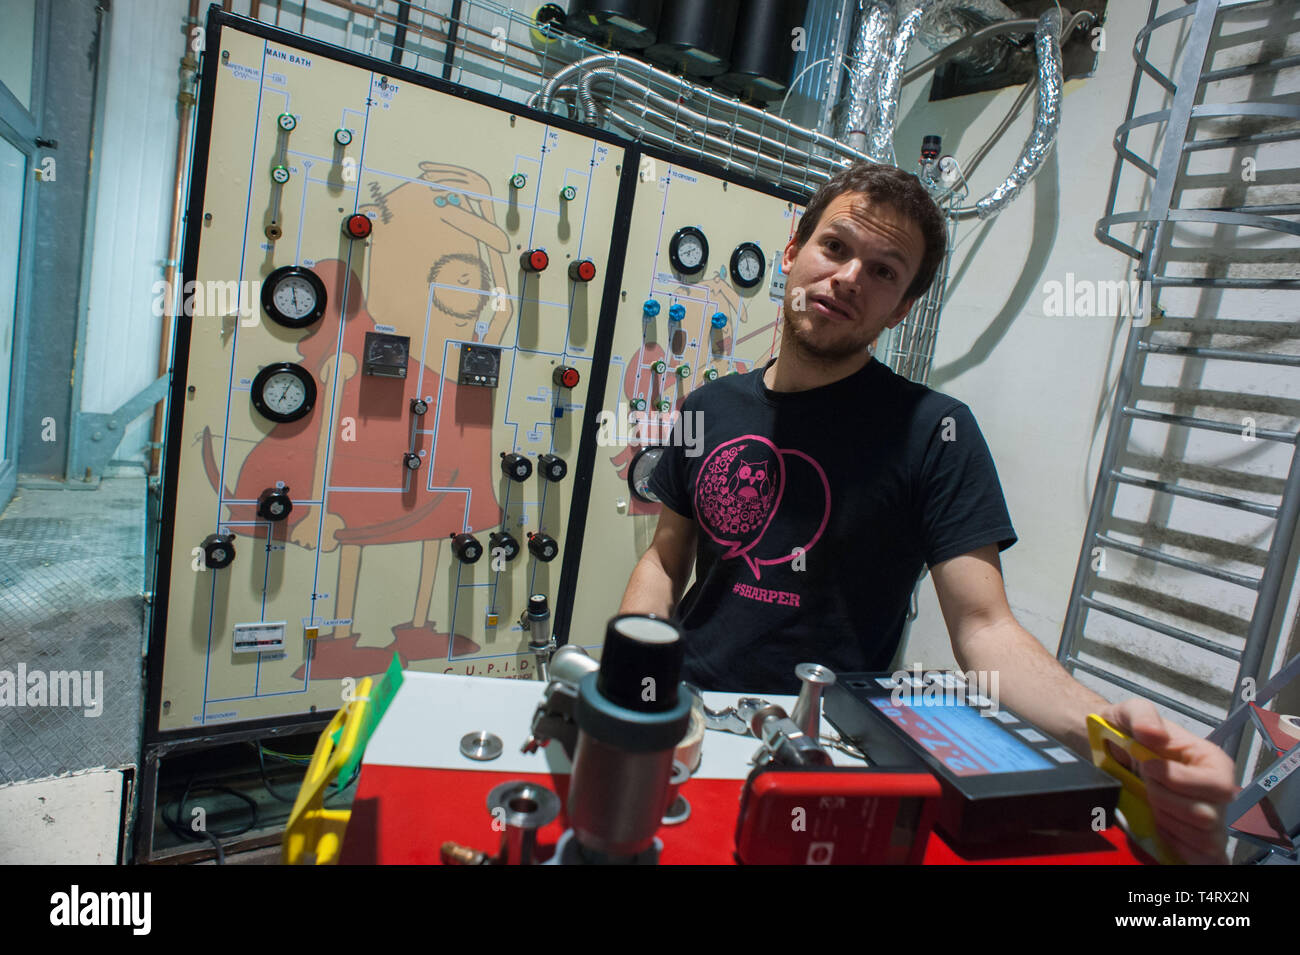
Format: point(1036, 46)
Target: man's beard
point(832, 352)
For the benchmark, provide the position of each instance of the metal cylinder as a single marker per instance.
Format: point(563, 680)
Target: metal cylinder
point(694, 36)
point(523, 807)
point(571, 663)
point(762, 51)
point(629, 24)
point(631, 714)
point(808, 708)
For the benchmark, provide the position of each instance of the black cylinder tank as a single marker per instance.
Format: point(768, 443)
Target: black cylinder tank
point(628, 24)
point(695, 36)
point(762, 53)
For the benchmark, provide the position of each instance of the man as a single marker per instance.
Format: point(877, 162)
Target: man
point(825, 484)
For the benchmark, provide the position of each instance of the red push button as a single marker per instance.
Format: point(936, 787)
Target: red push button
point(584, 270)
point(357, 226)
point(566, 377)
point(534, 260)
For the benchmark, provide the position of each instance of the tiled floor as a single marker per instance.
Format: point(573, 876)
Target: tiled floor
point(71, 572)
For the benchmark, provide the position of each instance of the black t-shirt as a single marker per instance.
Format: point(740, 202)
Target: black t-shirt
point(815, 514)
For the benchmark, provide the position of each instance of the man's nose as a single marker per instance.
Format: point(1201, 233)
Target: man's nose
point(847, 278)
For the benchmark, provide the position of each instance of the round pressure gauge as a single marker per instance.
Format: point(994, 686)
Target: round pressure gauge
point(638, 475)
point(343, 137)
point(280, 174)
point(747, 265)
point(284, 392)
point(293, 296)
point(287, 121)
point(689, 249)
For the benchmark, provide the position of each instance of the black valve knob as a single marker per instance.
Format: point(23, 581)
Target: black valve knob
point(411, 460)
point(516, 467)
point(273, 504)
point(543, 547)
point(419, 406)
point(552, 467)
point(506, 542)
point(466, 548)
point(218, 550)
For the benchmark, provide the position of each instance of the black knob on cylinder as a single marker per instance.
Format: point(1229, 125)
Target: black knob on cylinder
point(273, 504)
point(553, 467)
point(543, 547)
point(466, 548)
point(218, 550)
point(641, 663)
point(516, 467)
point(506, 541)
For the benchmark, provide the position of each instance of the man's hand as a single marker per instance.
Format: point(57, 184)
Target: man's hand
point(1188, 789)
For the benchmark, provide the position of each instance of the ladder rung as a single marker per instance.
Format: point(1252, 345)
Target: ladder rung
point(1241, 580)
point(1205, 424)
point(1142, 691)
point(1230, 142)
point(1183, 635)
point(1221, 354)
point(1208, 497)
point(1169, 281)
point(1264, 66)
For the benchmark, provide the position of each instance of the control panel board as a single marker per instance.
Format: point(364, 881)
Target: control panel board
point(392, 300)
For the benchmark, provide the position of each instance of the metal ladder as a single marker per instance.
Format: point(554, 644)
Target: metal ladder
point(1166, 185)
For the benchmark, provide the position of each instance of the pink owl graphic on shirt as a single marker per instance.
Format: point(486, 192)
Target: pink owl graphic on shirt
point(738, 492)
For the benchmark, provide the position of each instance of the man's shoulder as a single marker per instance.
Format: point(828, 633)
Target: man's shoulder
point(925, 403)
point(727, 388)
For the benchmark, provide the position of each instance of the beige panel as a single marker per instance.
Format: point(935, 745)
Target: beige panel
point(619, 526)
point(442, 267)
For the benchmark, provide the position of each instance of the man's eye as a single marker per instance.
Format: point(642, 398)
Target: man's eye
point(832, 245)
point(886, 274)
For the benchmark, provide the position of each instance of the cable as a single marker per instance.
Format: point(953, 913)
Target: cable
point(197, 835)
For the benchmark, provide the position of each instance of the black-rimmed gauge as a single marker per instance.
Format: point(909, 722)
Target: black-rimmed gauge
point(343, 137)
point(747, 265)
point(287, 122)
point(279, 174)
point(688, 249)
point(284, 392)
point(293, 296)
point(638, 475)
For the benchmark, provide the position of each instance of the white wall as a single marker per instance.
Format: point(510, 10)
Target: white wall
point(133, 209)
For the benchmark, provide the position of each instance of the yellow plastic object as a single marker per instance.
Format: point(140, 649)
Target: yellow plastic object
point(1133, 797)
point(314, 835)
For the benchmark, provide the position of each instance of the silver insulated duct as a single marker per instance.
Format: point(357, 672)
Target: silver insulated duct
point(1047, 117)
point(871, 45)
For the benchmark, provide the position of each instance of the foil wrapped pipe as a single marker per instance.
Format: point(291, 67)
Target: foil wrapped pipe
point(880, 141)
point(871, 46)
point(1047, 118)
point(946, 26)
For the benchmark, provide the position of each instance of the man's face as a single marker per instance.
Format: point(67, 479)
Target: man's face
point(852, 272)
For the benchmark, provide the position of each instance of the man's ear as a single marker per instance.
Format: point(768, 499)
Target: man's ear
point(791, 250)
point(900, 313)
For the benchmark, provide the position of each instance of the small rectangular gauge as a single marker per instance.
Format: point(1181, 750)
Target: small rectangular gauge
point(386, 355)
point(480, 365)
point(259, 637)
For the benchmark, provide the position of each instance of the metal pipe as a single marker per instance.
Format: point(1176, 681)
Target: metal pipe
point(880, 143)
point(185, 98)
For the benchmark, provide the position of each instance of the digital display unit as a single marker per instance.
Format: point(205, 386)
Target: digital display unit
point(1001, 776)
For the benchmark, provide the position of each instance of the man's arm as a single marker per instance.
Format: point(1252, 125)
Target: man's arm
point(660, 576)
point(1187, 789)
